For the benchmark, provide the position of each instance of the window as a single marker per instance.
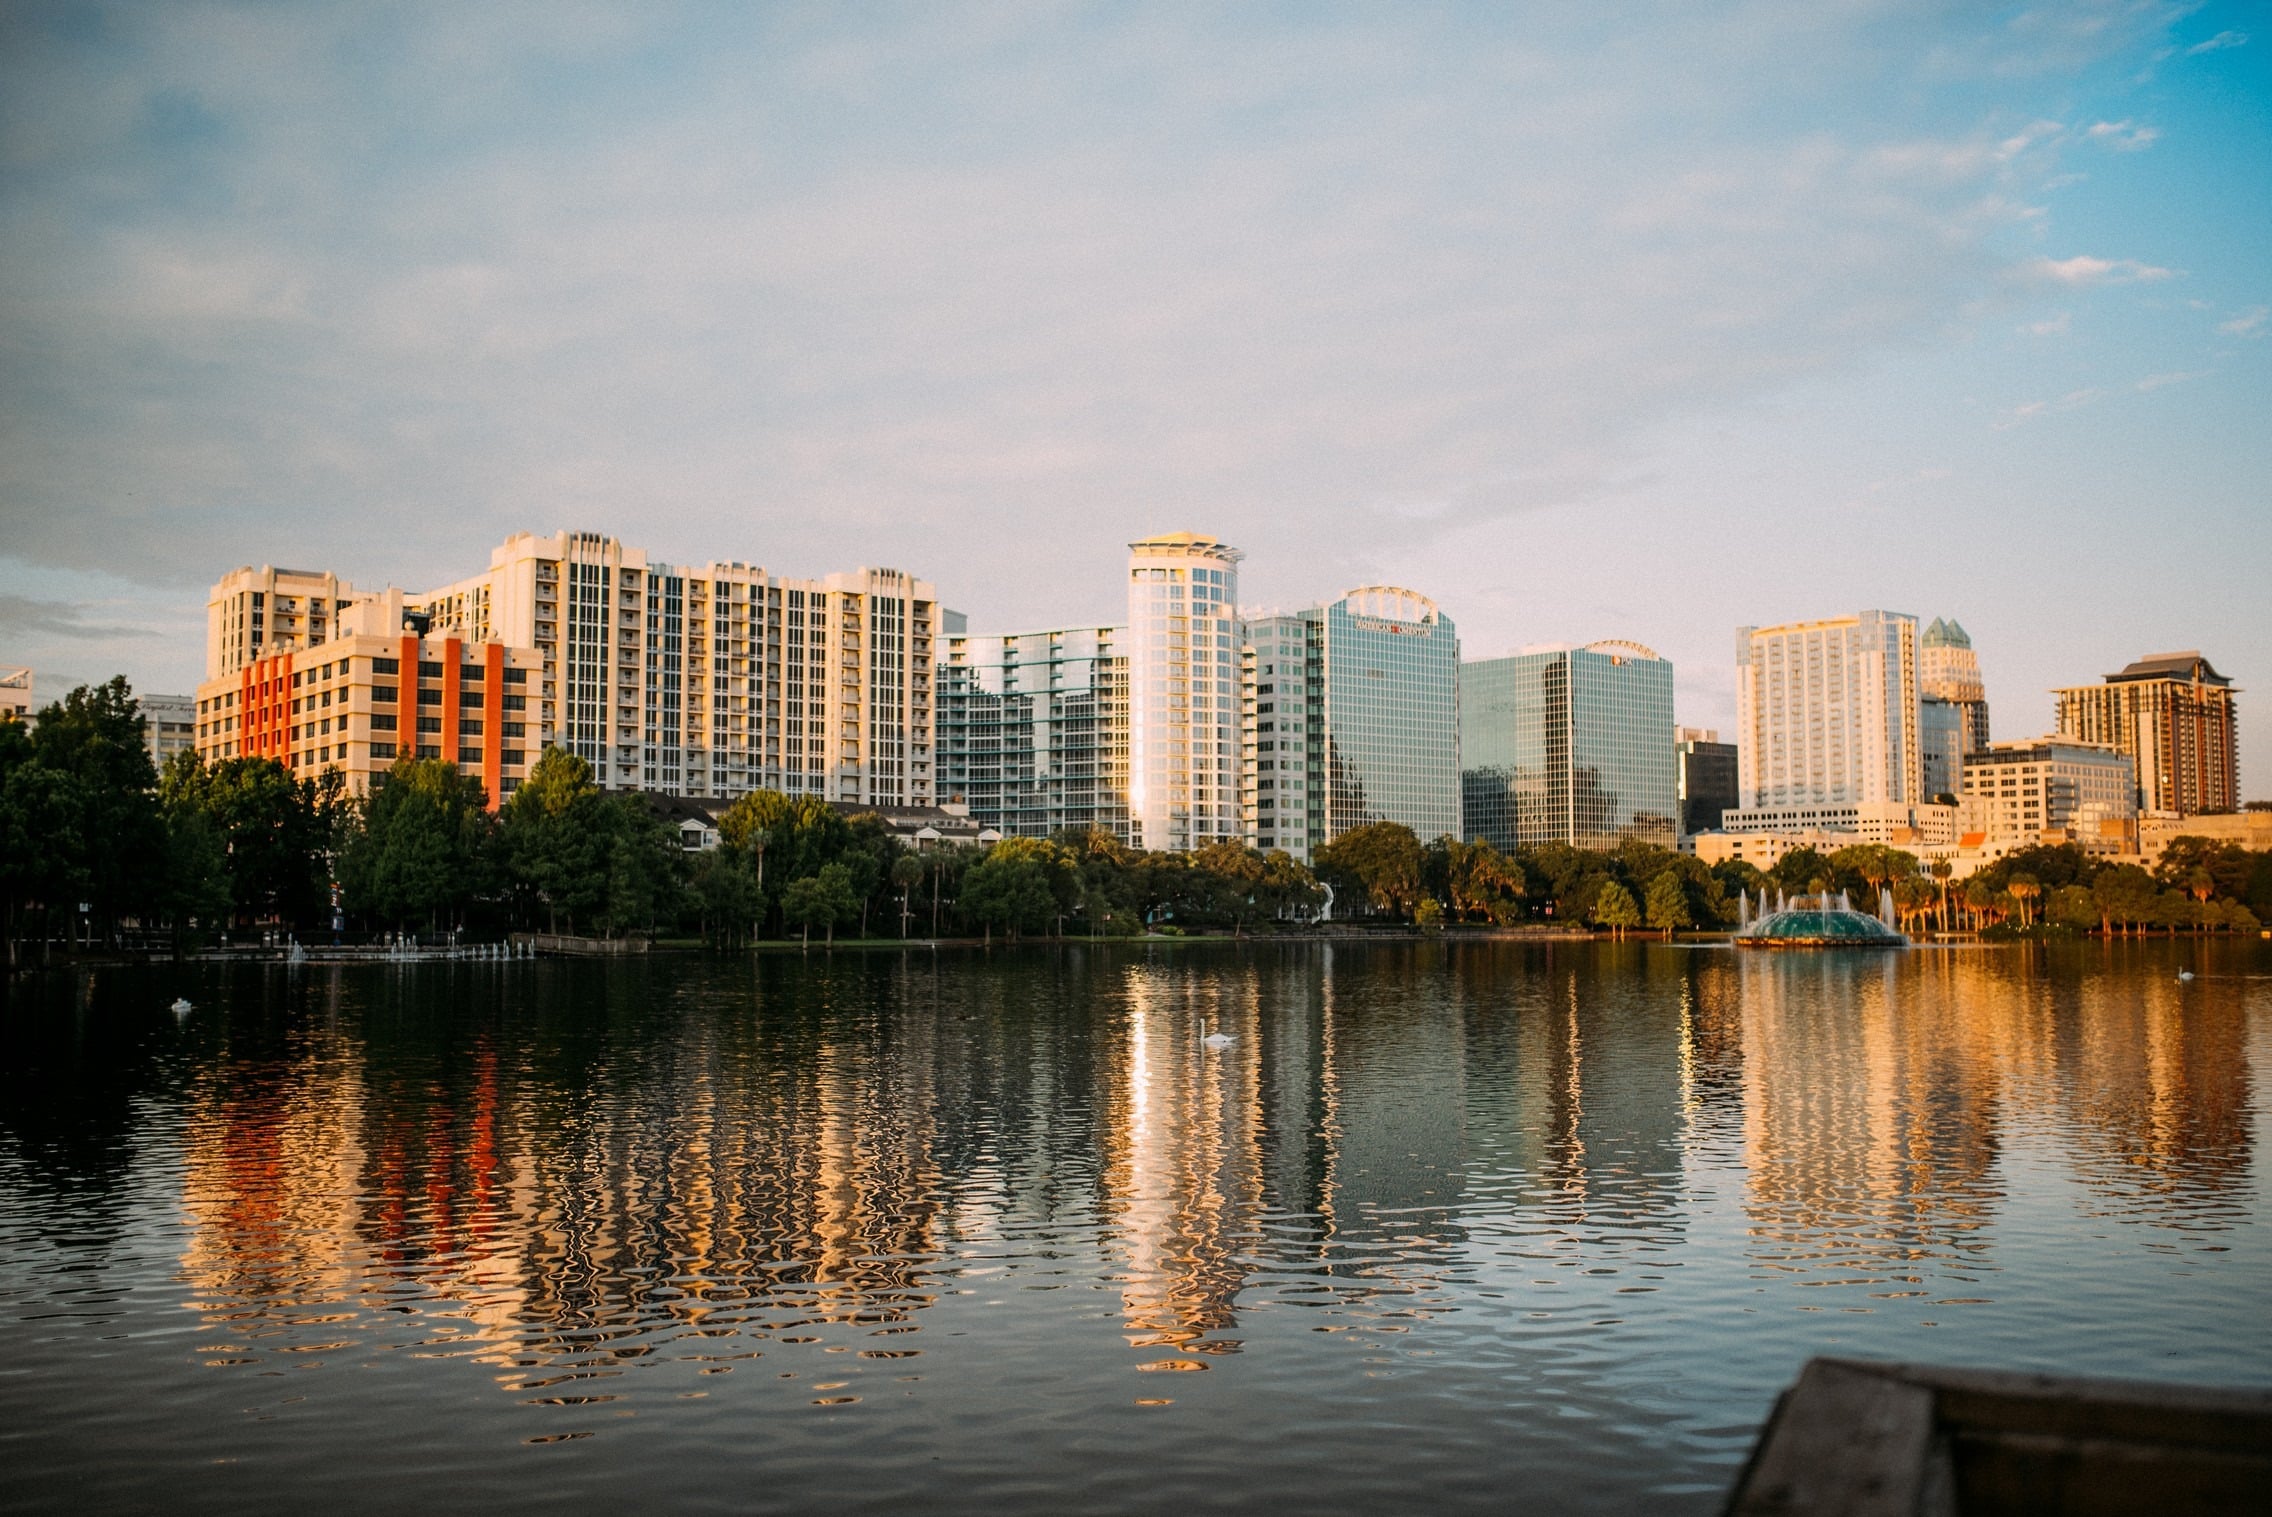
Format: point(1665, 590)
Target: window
point(427, 669)
point(382, 751)
point(429, 697)
point(429, 724)
point(386, 666)
point(385, 693)
point(382, 721)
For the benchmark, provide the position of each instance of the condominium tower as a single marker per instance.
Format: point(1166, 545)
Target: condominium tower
point(1826, 712)
point(1351, 717)
point(1033, 730)
point(1183, 695)
point(1569, 745)
point(704, 681)
point(2172, 713)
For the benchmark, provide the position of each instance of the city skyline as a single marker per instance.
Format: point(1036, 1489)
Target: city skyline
point(1957, 314)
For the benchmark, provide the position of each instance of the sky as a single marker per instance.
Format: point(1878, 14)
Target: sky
point(1587, 321)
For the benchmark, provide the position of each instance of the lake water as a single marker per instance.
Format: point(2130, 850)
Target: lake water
point(1447, 1227)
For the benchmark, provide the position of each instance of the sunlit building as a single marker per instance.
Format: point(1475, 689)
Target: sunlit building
point(1033, 730)
point(1826, 712)
point(707, 681)
point(1183, 692)
point(2172, 713)
point(16, 691)
point(1351, 717)
point(169, 725)
point(1569, 745)
point(1952, 706)
point(2050, 790)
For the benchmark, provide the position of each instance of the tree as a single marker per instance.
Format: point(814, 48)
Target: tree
point(907, 872)
point(560, 838)
point(1614, 908)
point(97, 736)
point(1009, 890)
point(424, 845)
point(725, 893)
point(646, 879)
point(824, 898)
point(1940, 870)
point(1380, 860)
point(43, 841)
point(1667, 904)
point(2025, 890)
point(787, 838)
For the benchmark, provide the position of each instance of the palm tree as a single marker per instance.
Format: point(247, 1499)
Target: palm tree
point(2024, 888)
point(1941, 869)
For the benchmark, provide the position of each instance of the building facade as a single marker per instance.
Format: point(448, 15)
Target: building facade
point(2172, 713)
point(1826, 712)
point(1033, 730)
point(2051, 789)
point(1351, 713)
point(381, 685)
point(1707, 778)
point(1183, 692)
point(1952, 705)
point(709, 681)
point(1569, 745)
point(16, 693)
point(169, 726)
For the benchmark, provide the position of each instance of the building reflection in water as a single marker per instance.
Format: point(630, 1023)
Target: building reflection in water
point(559, 1169)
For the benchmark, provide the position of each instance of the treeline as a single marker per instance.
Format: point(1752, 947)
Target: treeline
point(94, 844)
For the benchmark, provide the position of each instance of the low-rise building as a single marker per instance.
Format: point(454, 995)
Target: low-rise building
point(1895, 825)
point(16, 692)
point(170, 726)
point(2021, 793)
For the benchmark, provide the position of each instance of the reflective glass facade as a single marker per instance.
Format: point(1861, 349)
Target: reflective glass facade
point(1570, 746)
point(1033, 730)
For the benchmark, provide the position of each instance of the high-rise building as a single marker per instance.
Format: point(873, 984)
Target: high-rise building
point(1351, 717)
point(1183, 692)
point(1707, 778)
point(2016, 793)
point(2173, 714)
point(1569, 745)
point(707, 681)
point(1826, 712)
point(1952, 706)
point(1033, 730)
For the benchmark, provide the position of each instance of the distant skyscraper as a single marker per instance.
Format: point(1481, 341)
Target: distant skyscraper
point(1033, 730)
point(1952, 706)
point(2173, 714)
point(1569, 746)
point(1183, 691)
point(1707, 778)
point(1352, 717)
point(1826, 712)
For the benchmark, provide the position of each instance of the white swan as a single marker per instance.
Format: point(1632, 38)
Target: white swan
point(181, 1006)
point(2184, 974)
point(1214, 1039)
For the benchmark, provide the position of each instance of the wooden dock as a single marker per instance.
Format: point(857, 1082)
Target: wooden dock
point(1901, 1440)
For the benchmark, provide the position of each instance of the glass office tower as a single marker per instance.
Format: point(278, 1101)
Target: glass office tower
point(1573, 745)
point(1353, 718)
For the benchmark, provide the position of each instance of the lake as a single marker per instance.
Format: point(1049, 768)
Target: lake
point(1447, 1227)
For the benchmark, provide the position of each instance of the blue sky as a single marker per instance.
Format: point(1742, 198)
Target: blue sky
point(1589, 321)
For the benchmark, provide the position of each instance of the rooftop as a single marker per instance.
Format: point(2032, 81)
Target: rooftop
point(2187, 664)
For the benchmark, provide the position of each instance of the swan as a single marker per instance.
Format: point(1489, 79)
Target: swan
point(2184, 975)
point(1214, 1039)
point(181, 1006)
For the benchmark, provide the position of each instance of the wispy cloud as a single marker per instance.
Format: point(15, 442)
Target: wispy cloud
point(2249, 323)
point(2162, 381)
point(2083, 269)
point(2054, 326)
point(2218, 43)
point(2021, 415)
point(28, 616)
point(2122, 136)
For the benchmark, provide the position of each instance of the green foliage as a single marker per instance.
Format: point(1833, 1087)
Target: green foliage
point(423, 851)
point(821, 899)
point(1614, 907)
point(1009, 889)
point(1377, 864)
point(1667, 903)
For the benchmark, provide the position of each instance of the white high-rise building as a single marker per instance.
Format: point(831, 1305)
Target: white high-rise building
point(1183, 691)
point(1826, 713)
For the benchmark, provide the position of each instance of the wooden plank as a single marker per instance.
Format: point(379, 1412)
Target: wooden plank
point(2140, 1411)
point(1847, 1438)
point(2095, 1477)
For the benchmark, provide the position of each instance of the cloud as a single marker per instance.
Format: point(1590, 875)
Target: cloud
point(2054, 326)
point(2086, 270)
point(2122, 136)
point(2249, 323)
point(27, 616)
point(2021, 415)
point(2218, 43)
point(368, 290)
point(2160, 381)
